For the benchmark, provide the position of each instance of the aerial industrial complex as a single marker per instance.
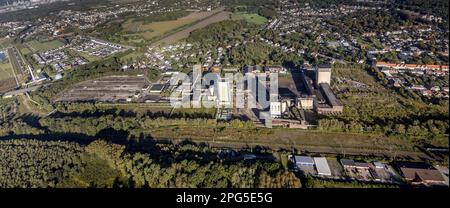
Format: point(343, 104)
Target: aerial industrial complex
point(201, 93)
point(308, 93)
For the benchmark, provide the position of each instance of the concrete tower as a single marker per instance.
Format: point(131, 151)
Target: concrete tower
point(323, 74)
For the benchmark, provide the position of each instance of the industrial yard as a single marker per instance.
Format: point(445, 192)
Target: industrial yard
point(224, 94)
point(106, 89)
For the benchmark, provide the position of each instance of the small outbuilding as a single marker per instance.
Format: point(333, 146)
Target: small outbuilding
point(362, 165)
point(347, 163)
point(379, 165)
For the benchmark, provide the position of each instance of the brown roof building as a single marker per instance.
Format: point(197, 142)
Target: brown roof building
point(422, 175)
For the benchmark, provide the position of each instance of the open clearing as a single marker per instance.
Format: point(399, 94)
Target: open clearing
point(249, 17)
point(5, 42)
point(24, 50)
point(221, 16)
point(156, 29)
point(45, 46)
point(5, 71)
point(7, 80)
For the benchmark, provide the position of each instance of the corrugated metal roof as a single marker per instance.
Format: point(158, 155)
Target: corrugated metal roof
point(347, 162)
point(304, 159)
point(322, 166)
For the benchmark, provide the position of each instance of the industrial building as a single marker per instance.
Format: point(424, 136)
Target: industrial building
point(306, 103)
point(327, 103)
point(379, 165)
point(317, 94)
point(322, 166)
point(157, 88)
point(323, 74)
point(277, 108)
point(421, 174)
point(224, 92)
point(304, 161)
point(309, 91)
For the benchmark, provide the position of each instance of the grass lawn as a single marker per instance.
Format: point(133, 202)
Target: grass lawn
point(151, 30)
point(23, 49)
point(7, 81)
point(250, 17)
point(5, 42)
point(45, 46)
point(132, 55)
point(84, 55)
point(5, 71)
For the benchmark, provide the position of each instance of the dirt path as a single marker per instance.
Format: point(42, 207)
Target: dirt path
point(25, 101)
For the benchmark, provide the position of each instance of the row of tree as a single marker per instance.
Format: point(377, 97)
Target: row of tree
point(32, 163)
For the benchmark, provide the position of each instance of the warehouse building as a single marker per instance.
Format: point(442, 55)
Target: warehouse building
point(333, 105)
point(347, 163)
point(318, 95)
point(421, 174)
point(323, 74)
point(304, 161)
point(224, 92)
point(306, 103)
point(157, 88)
point(322, 166)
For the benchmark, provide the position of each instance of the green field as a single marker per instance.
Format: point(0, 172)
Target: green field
point(5, 70)
point(5, 42)
point(250, 17)
point(137, 30)
point(23, 49)
point(7, 81)
point(154, 29)
point(84, 55)
point(45, 46)
point(132, 55)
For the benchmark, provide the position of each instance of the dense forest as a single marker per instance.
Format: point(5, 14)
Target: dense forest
point(33, 163)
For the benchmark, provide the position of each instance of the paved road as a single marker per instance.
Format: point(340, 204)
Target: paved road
point(21, 91)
